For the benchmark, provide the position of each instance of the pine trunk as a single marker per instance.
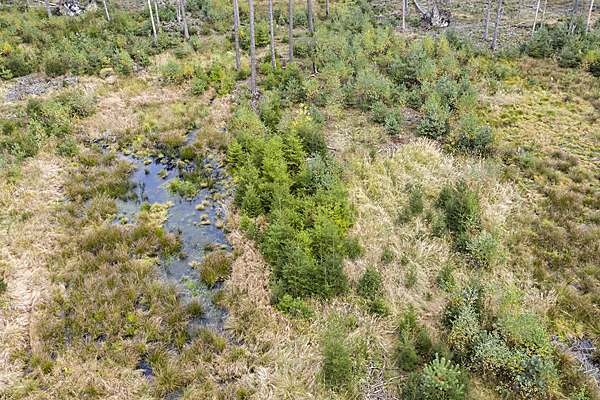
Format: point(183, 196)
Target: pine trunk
point(137, 4)
point(272, 34)
point(310, 19)
point(497, 24)
point(587, 24)
point(186, 33)
point(157, 16)
point(106, 9)
point(252, 48)
point(236, 28)
point(537, 9)
point(487, 20)
point(152, 19)
point(291, 24)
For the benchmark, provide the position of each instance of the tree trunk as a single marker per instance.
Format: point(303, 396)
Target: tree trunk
point(106, 9)
point(126, 4)
point(48, 9)
point(157, 16)
point(587, 24)
point(327, 8)
point(487, 20)
point(137, 4)
point(575, 7)
point(272, 34)
point(497, 24)
point(403, 15)
point(310, 19)
point(236, 28)
point(178, 8)
point(152, 19)
point(543, 13)
point(418, 7)
point(521, 5)
point(186, 34)
point(537, 9)
point(252, 49)
point(291, 24)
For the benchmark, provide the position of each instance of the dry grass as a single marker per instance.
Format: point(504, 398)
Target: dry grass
point(28, 237)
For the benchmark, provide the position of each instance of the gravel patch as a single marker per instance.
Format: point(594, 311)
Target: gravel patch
point(38, 86)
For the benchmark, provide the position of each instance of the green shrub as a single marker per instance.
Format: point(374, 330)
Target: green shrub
point(379, 307)
point(54, 65)
point(379, 112)
point(67, 147)
point(443, 381)
point(407, 355)
point(435, 123)
point(270, 113)
point(393, 121)
point(295, 307)
point(199, 85)
point(336, 369)
point(461, 207)
point(371, 87)
point(475, 138)
point(3, 285)
point(388, 255)
point(19, 65)
point(370, 285)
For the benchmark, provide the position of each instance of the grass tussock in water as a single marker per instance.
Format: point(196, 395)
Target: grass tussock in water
point(215, 267)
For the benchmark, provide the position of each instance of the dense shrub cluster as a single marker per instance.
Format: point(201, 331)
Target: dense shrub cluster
point(304, 200)
point(507, 342)
point(568, 44)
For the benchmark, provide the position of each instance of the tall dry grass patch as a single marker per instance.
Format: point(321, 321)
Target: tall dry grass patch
point(378, 189)
point(28, 237)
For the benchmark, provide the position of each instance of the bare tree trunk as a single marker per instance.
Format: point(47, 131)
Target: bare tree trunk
point(186, 33)
point(106, 9)
point(178, 8)
point(575, 7)
point(521, 5)
point(327, 8)
point(137, 4)
point(404, 15)
point(535, 18)
point(157, 16)
point(497, 24)
point(236, 28)
point(418, 7)
point(543, 13)
point(310, 19)
point(272, 34)
point(291, 24)
point(28, 5)
point(152, 19)
point(48, 9)
point(487, 20)
point(252, 49)
point(587, 24)
point(126, 4)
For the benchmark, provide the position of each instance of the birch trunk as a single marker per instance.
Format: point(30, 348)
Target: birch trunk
point(252, 49)
point(497, 24)
point(157, 16)
point(537, 9)
point(236, 28)
point(186, 34)
point(587, 24)
point(543, 13)
point(403, 15)
point(327, 8)
point(291, 25)
point(310, 19)
point(106, 9)
point(152, 19)
point(272, 34)
point(487, 20)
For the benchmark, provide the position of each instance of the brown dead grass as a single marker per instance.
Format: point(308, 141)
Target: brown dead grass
point(25, 246)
